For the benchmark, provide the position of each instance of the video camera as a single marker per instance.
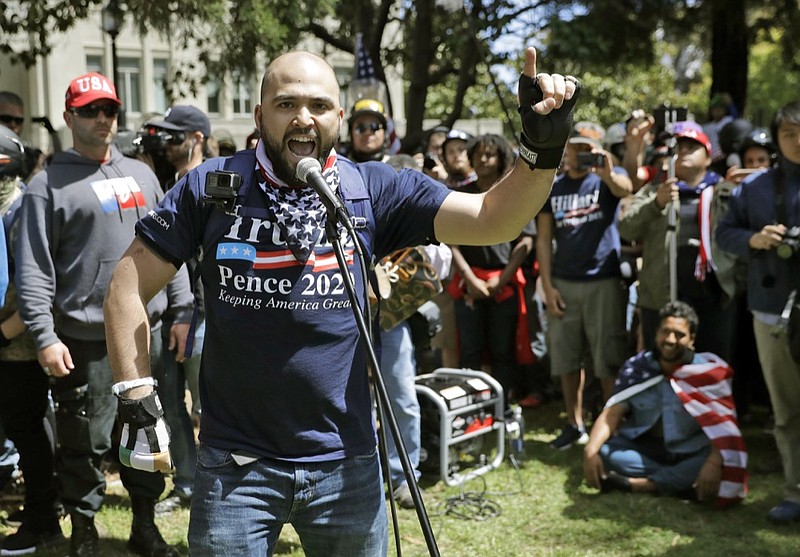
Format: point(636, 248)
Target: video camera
point(155, 140)
point(221, 189)
point(789, 245)
point(591, 160)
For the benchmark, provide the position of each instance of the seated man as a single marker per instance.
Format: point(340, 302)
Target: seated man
point(671, 424)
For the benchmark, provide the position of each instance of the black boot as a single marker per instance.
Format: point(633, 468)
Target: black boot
point(84, 541)
point(145, 538)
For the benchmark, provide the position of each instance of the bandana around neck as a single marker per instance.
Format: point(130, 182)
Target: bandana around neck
point(298, 211)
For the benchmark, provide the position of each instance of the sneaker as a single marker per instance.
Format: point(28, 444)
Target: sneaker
point(531, 401)
point(16, 518)
point(569, 436)
point(784, 512)
point(402, 496)
point(26, 541)
point(615, 482)
point(176, 499)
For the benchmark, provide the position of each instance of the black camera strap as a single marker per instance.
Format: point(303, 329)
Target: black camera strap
point(780, 214)
point(780, 199)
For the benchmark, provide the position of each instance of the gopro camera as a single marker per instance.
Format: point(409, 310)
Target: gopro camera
point(591, 160)
point(221, 189)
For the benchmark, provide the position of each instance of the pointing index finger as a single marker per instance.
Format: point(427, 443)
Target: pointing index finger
point(530, 62)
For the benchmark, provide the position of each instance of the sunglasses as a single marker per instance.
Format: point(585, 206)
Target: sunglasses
point(371, 127)
point(92, 110)
point(8, 119)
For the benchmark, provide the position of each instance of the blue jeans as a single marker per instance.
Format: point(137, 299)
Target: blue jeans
point(672, 473)
point(398, 369)
point(171, 378)
point(191, 366)
point(336, 507)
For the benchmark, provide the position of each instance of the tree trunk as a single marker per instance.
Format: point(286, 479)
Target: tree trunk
point(423, 50)
point(729, 50)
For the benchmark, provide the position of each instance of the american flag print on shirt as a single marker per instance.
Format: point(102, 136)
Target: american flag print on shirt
point(280, 259)
point(115, 194)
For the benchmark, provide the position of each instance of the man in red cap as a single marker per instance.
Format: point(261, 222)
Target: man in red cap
point(83, 208)
point(705, 275)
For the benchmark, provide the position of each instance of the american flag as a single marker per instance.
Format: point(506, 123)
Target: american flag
point(365, 69)
point(365, 73)
point(704, 388)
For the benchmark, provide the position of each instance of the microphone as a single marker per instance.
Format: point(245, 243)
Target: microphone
point(309, 171)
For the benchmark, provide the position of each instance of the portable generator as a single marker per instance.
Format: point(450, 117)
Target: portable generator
point(462, 429)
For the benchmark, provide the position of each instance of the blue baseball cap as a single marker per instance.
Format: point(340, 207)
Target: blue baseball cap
point(184, 118)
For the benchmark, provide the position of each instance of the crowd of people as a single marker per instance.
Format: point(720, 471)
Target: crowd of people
point(649, 257)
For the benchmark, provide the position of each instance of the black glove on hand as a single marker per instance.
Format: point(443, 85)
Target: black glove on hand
point(145, 436)
point(543, 135)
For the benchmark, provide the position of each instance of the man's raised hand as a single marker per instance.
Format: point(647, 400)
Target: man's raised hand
point(546, 103)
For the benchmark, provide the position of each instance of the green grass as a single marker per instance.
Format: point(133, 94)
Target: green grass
point(544, 509)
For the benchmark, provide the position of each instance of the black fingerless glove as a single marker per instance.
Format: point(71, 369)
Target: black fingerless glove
point(145, 435)
point(543, 135)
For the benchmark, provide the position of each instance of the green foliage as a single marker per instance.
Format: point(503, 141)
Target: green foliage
point(617, 48)
point(607, 99)
point(26, 25)
point(480, 101)
point(773, 81)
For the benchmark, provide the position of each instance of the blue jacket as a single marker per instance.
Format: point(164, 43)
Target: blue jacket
point(752, 206)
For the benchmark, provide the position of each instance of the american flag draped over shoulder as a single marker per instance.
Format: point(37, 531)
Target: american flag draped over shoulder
point(705, 391)
point(365, 73)
point(704, 388)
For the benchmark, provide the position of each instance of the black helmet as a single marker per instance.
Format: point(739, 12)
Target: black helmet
point(759, 137)
point(733, 134)
point(12, 155)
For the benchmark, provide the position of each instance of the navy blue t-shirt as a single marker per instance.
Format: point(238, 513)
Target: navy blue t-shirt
point(283, 371)
point(587, 239)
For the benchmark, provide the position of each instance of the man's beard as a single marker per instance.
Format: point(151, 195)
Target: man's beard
point(281, 166)
point(684, 355)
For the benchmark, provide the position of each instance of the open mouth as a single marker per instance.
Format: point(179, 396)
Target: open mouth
point(302, 146)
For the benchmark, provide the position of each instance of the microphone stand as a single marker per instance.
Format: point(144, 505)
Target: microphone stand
point(385, 411)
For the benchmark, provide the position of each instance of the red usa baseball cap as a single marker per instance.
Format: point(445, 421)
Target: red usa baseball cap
point(693, 131)
point(88, 88)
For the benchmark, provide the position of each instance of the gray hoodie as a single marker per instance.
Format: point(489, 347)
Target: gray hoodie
point(77, 219)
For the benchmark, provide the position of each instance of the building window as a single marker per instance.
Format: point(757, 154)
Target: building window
point(160, 78)
point(212, 92)
point(343, 76)
point(128, 88)
point(242, 103)
point(94, 63)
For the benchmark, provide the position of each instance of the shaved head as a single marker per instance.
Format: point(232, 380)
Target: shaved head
point(293, 65)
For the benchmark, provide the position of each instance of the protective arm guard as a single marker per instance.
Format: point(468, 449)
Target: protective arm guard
point(543, 135)
point(145, 435)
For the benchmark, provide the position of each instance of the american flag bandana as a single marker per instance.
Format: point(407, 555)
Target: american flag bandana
point(298, 212)
point(704, 388)
point(704, 262)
